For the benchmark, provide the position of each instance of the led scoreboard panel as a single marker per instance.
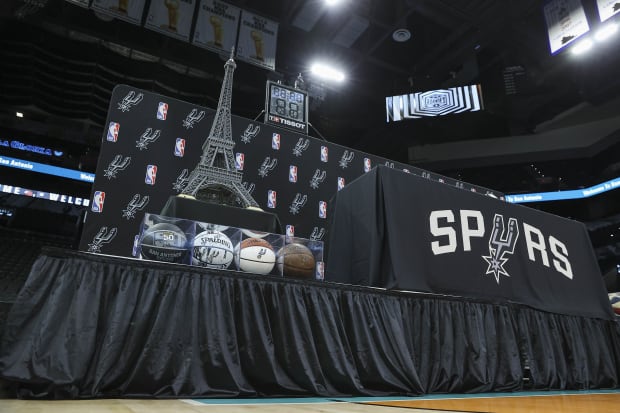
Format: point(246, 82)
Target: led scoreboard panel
point(286, 107)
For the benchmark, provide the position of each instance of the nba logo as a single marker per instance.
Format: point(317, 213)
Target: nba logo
point(271, 199)
point(275, 141)
point(162, 111)
point(290, 230)
point(406, 170)
point(113, 131)
point(324, 153)
point(98, 199)
point(179, 147)
point(292, 173)
point(320, 270)
point(322, 209)
point(239, 161)
point(340, 183)
point(367, 165)
point(151, 174)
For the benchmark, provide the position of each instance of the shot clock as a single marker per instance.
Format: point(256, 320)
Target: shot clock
point(286, 107)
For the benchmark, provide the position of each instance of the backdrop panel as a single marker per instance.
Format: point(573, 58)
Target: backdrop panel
point(165, 136)
point(396, 230)
point(87, 325)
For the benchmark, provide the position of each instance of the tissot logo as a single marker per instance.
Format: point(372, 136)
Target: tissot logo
point(287, 122)
point(502, 242)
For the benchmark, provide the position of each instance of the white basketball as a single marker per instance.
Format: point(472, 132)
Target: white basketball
point(256, 255)
point(212, 249)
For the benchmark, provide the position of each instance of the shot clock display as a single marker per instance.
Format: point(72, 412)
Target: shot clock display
point(287, 107)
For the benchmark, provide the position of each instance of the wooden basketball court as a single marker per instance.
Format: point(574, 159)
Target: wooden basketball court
point(531, 402)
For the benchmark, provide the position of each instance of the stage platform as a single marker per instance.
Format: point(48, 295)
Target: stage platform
point(92, 326)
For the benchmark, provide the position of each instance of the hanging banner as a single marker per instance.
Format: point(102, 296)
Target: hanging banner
point(607, 8)
point(566, 22)
point(127, 10)
point(216, 26)
point(171, 17)
point(257, 40)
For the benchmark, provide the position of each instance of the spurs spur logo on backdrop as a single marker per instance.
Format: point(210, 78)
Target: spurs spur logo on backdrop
point(103, 236)
point(147, 138)
point(317, 178)
point(346, 159)
point(317, 234)
point(136, 204)
point(249, 187)
point(193, 118)
point(249, 133)
point(130, 100)
point(118, 164)
point(267, 166)
point(181, 181)
point(298, 202)
point(301, 145)
point(501, 242)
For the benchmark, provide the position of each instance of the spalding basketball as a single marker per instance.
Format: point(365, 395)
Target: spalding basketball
point(256, 255)
point(212, 249)
point(296, 260)
point(164, 242)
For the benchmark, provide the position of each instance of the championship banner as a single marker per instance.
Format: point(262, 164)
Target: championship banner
point(257, 40)
point(566, 22)
point(435, 239)
point(127, 10)
point(216, 26)
point(607, 8)
point(152, 142)
point(171, 17)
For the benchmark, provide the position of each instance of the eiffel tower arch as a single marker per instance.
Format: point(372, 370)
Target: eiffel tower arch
point(215, 179)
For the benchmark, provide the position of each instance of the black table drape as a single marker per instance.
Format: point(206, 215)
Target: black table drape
point(96, 326)
point(400, 231)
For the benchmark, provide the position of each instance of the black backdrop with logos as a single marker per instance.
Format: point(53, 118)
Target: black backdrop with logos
point(437, 239)
point(136, 139)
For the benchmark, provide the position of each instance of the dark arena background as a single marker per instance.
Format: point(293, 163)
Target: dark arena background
point(505, 145)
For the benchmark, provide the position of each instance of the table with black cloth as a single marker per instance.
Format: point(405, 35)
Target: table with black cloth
point(396, 230)
point(196, 210)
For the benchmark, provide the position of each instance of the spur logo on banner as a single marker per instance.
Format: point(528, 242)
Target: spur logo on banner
point(130, 100)
point(502, 241)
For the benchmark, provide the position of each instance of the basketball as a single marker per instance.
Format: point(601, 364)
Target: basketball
point(164, 242)
point(297, 261)
point(212, 249)
point(256, 255)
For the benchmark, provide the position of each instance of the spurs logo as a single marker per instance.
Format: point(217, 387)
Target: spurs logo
point(500, 244)
point(206, 255)
point(317, 234)
point(103, 237)
point(147, 137)
point(299, 201)
point(118, 164)
point(249, 187)
point(250, 132)
point(136, 204)
point(181, 181)
point(301, 145)
point(317, 178)
point(193, 118)
point(267, 166)
point(261, 252)
point(346, 159)
point(129, 101)
point(389, 164)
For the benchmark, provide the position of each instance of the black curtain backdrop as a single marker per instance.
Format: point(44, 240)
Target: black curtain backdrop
point(95, 326)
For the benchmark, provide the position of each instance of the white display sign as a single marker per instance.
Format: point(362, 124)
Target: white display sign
point(171, 17)
point(128, 10)
point(566, 21)
point(216, 26)
point(257, 40)
point(607, 8)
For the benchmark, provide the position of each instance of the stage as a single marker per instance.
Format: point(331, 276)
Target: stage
point(90, 326)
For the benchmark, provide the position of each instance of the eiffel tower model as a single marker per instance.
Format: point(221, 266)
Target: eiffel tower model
point(215, 179)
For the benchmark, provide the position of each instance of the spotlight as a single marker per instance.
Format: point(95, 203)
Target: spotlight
point(582, 47)
point(327, 72)
point(332, 2)
point(606, 32)
point(19, 114)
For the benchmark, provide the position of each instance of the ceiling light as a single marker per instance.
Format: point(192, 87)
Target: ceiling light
point(19, 114)
point(332, 2)
point(327, 72)
point(401, 35)
point(582, 47)
point(606, 32)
